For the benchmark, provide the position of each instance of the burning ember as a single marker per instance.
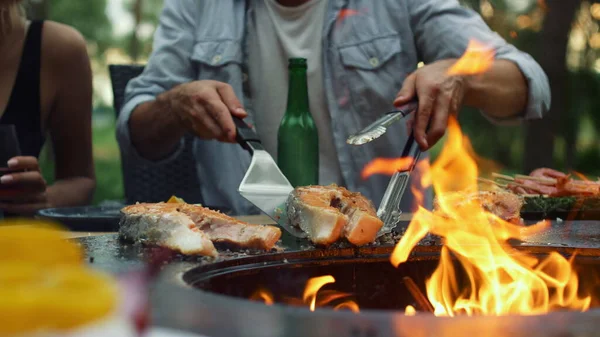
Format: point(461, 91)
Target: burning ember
point(313, 296)
point(501, 280)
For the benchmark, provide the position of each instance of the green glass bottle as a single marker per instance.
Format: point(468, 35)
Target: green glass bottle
point(298, 139)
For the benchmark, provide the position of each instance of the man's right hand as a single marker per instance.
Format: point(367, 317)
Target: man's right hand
point(205, 108)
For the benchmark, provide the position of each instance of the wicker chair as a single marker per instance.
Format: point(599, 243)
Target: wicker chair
point(154, 183)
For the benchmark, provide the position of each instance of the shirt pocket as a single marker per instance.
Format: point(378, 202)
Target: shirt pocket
point(373, 72)
point(213, 58)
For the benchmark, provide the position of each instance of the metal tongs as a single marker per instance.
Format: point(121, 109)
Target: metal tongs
point(389, 209)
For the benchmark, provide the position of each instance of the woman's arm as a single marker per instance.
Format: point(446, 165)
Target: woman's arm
point(70, 119)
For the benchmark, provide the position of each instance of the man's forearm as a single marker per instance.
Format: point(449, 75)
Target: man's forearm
point(155, 131)
point(501, 92)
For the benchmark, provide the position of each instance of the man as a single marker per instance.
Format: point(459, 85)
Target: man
point(214, 59)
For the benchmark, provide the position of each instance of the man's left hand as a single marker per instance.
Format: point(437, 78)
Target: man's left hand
point(439, 97)
point(23, 191)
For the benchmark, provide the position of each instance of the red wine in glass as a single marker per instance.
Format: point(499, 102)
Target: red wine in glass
point(9, 148)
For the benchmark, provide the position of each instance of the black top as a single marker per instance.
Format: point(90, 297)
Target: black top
point(24, 109)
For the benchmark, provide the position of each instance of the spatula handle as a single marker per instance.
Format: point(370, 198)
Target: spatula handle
point(245, 136)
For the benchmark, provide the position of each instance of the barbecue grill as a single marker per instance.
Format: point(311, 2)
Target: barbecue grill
point(213, 298)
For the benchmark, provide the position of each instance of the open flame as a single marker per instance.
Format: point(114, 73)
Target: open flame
point(263, 295)
point(477, 59)
point(312, 287)
point(350, 305)
point(387, 166)
point(315, 284)
point(313, 296)
point(410, 310)
point(501, 280)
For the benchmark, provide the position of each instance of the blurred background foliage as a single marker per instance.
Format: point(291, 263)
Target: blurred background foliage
point(562, 35)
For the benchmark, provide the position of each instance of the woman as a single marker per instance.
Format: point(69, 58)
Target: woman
point(46, 92)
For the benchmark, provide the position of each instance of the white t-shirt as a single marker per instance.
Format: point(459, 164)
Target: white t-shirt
point(282, 33)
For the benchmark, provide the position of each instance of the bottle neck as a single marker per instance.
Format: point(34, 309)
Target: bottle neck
point(297, 103)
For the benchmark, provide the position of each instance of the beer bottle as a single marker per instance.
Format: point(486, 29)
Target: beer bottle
point(298, 139)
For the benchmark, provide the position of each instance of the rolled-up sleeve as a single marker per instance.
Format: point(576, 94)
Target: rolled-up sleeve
point(169, 65)
point(443, 29)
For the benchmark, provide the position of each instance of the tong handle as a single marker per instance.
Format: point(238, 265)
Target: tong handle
point(245, 136)
point(412, 150)
point(407, 108)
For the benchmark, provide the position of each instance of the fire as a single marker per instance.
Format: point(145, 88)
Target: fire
point(350, 305)
point(313, 296)
point(387, 166)
point(477, 59)
point(312, 287)
point(263, 295)
point(410, 311)
point(500, 280)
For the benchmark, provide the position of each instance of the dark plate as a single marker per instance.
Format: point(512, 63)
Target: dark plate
point(92, 218)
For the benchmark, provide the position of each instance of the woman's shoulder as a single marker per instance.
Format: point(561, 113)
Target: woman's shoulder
point(62, 44)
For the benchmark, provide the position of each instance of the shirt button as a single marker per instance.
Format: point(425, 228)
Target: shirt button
point(374, 61)
point(216, 59)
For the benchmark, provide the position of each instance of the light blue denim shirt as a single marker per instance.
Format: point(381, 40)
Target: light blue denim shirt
point(366, 57)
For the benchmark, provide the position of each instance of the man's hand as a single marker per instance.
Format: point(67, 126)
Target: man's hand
point(439, 97)
point(206, 107)
point(26, 185)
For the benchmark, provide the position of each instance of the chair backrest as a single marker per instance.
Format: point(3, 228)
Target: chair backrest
point(154, 183)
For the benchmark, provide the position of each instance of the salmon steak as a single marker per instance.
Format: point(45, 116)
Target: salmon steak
point(192, 229)
point(505, 205)
point(328, 213)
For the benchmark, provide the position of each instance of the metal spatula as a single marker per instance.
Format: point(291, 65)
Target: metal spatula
point(264, 185)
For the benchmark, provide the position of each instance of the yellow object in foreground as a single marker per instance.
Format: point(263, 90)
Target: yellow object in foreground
point(44, 283)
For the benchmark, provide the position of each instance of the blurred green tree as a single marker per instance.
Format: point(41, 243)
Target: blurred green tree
point(88, 17)
point(145, 14)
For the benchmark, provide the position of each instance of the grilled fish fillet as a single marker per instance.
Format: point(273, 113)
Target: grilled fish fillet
point(192, 229)
point(505, 205)
point(327, 213)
